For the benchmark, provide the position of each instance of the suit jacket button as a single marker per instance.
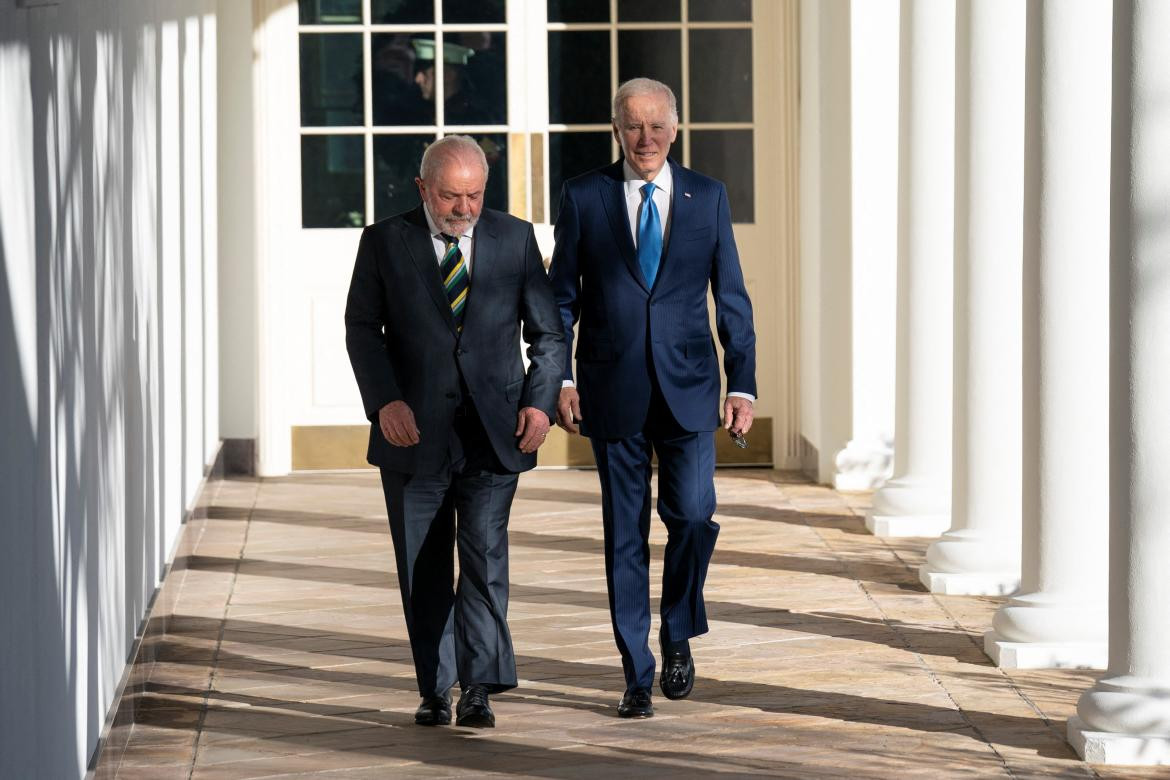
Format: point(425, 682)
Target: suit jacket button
point(458, 352)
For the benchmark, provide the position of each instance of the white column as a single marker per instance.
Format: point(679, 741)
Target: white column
point(868, 459)
point(916, 502)
point(981, 552)
point(1125, 717)
point(1059, 617)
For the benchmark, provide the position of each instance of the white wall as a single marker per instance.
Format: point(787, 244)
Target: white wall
point(107, 347)
point(237, 220)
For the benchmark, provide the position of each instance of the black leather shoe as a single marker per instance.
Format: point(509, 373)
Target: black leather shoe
point(678, 671)
point(636, 704)
point(434, 711)
point(473, 709)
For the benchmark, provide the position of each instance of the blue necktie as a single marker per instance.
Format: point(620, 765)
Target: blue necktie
point(649, 235)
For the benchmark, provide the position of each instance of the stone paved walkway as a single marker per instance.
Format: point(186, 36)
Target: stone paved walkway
point(277, 648)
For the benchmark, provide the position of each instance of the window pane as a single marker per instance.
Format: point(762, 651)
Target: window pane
point(721, 75)
point(331, 11)
point(570, 154)
point(473, 11)
point(656, 54)
point(642, 11)
point(578, 10)
point(720, 11)
point(331, 79)
point(402, 11)
point(332, 181)
point(396, 161)
point(476, 79)
point(578, 77)
point(398, 78)
point(727, 155)
point(495, 149)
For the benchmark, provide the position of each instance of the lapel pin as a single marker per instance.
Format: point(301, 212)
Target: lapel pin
point(686, 194)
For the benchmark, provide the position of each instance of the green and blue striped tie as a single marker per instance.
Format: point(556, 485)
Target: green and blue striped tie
point(453, 269)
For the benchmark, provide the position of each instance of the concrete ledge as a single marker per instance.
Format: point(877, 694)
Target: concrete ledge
point(907, 525)
point(1104, 747)
point(968, 583)
point(1045, 655)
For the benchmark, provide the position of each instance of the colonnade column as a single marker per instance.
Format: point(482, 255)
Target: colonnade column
point(916, 502)
point(980, 554)
point(1125, 717)
point(1059, 617)
point(867, 460)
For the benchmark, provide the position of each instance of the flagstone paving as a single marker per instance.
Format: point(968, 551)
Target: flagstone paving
point(276, 648)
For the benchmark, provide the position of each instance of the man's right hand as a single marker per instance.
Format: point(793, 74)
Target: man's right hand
point(569, 410)
point(397, 424)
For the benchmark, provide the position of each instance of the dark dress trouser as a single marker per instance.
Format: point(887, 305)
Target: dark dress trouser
point(686, 502)
point(461, 634)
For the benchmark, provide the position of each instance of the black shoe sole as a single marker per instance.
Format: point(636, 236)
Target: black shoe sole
point(432, 722)
point(476, 721)
point(641, 715)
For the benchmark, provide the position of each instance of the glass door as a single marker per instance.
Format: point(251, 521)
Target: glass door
point(531, 80)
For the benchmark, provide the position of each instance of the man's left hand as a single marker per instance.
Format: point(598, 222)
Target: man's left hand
point(531, 426)
point(738, 413)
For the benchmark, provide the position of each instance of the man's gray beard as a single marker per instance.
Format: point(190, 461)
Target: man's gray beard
point(447, 227)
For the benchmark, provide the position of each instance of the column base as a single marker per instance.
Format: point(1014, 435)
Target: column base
point(863, 465)
point(1045, 655)
point(1105, 747)
point(907, 525)
point(951, 583)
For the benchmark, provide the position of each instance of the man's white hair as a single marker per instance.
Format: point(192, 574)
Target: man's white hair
point(638, 87)
point(447, 148)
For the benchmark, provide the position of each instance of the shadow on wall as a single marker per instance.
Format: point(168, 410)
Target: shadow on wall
point(84, 528)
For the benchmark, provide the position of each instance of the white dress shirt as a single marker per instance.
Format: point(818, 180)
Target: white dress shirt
point(465, 241)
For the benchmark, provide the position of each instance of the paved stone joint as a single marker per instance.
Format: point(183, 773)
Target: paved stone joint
point(277, 648)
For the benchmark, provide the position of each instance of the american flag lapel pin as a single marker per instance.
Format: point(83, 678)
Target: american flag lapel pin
point(686, 194)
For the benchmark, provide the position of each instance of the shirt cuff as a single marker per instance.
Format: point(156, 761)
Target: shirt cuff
point(748, 396)
point(568, 383)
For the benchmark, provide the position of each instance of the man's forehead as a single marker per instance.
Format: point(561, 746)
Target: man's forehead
point(647, 107)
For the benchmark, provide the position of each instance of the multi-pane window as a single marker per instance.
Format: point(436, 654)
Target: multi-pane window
point(701, 48)
point(381, 79)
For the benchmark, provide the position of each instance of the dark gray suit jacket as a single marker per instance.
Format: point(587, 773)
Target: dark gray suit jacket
point(403, 344)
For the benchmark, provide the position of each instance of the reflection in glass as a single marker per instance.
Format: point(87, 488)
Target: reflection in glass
point(721, 75)
point(394, 79)
point(720, 10)
point(332, 181)
point(656, 54)
point(402, 11)
point(331, 79)
point(578, 11)
point(475, 78)
point(331, 11)
point(495, 149)
point(642, 11)
point(578, 89)
point(396, 161)
point(473, 11)
point(571, 154)
point(727, 155)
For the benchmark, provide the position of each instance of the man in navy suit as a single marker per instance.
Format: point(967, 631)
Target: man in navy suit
point(638, 244)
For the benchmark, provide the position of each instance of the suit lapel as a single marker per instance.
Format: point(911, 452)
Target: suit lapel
point(681, 210)
point(613, 195)
point(417, 237)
